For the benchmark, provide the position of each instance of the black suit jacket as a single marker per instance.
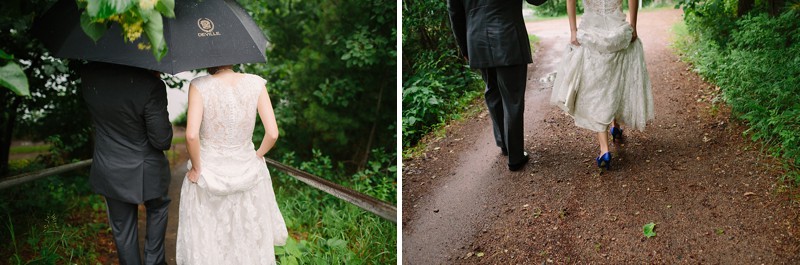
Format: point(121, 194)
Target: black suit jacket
point(490, 33)
point(131, 128)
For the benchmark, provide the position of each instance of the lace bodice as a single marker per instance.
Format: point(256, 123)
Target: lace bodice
point(229, 110)
point(227, 152)
point(602, 7)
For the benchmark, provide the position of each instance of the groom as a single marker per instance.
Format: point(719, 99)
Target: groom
point(491, 35)
point(131, 130)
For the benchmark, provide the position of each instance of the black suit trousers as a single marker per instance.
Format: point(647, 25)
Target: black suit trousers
point(505, 97)
point(123, 217)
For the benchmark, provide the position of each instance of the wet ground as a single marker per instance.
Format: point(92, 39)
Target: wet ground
point(714, 196)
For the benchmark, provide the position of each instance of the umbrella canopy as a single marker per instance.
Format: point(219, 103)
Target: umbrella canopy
point(204, 33)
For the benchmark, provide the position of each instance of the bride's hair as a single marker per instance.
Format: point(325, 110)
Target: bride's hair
point(215, 69)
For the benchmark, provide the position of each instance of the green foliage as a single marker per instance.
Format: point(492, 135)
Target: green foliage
point(326, 230)
point(180, 120)
point(554, 8)
point(12, 76)
point(331, 75)
point(134, 16)
point(433, 97)
point(648, 230)
point(713, 19)
point(756, 63)
point(45, 221)
point(27, 149)
point(54, 107)
point(437, 84)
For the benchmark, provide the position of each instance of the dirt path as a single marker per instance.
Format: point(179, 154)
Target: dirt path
point(712, 194)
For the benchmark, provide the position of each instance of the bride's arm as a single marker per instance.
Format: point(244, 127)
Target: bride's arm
point(268, 120)
point(573, 27)
point(194, 115)
point(633, 9)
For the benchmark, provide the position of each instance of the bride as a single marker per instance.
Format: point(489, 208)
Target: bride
point(602, 81)
point(228, 212)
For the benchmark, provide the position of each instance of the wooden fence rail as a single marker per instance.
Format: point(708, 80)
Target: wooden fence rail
point(363, 201)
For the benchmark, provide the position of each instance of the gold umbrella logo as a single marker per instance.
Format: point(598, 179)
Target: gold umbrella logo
point(207, 26)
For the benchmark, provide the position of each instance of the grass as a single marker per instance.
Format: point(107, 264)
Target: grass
point(27, 149)
point(533, 39)
point(56, 220)
point(178, 140)
point(326, 230)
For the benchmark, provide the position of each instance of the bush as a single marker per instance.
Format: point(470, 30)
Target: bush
point(180, 120)
point(437, 83)
point(754, 59)
point(554, 8)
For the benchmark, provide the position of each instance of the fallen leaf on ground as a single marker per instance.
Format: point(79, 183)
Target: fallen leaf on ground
point(648, 230)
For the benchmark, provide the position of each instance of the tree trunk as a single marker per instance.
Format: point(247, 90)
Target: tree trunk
point(775, 6)
point(10, 118)
point(744, 6)
point(363, 163)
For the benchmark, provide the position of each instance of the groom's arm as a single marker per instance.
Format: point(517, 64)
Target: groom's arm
point(156, 117)
point(458, 22)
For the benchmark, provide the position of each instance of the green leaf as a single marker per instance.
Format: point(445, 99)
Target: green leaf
point(100, 9)
point(648, 230)
point(154, 28)
point(166, 7)
point(94, 30)
point(93, 7)
point(336, 243)
point(6, 56)
point(291, 260)
point(12, 77)
point(292, 249)
point(279, 251)
point(146, 14)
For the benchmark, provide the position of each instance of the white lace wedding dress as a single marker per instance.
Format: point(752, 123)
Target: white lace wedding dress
point(604, 78)
point(230, 215)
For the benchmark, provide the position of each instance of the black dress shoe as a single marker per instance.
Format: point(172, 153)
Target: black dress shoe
point(521, 164)
point(504, 151)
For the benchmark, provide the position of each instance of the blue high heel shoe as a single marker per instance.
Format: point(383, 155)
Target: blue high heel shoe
point(616, 133)
point(604, 161)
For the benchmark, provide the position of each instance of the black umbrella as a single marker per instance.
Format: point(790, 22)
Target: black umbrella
point(204, 33)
